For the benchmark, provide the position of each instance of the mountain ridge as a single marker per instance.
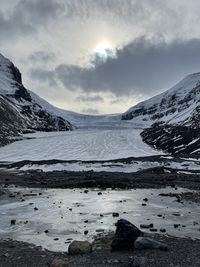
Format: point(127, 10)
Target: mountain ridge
point(19, 111)
point(170, 120)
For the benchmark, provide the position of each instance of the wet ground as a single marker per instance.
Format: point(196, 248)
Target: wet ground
point(52, 222)
point(53, 217)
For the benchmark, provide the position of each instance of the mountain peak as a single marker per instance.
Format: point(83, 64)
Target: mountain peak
point(20, 109)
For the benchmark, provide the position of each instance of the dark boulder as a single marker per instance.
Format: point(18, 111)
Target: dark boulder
point(125, 235)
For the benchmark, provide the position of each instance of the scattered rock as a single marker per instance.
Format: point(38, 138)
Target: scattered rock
point(153, 230)
point(13, 222)
point(146, 226)
point(58, 263)
point(79, 247)
point(137, 262)
point(125, 235)
point(148, 243)
point(6, 255)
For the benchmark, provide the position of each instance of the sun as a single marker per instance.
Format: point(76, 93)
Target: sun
point(104, 50)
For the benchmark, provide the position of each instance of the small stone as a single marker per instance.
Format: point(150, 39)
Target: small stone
point(148, 243)
point(145, 199)
point(79, 247)
point(176, 225)
point(162, 230)
point(99, 193)
point(35, 208)
point(58, 263)
point(115, 214)
point(137, 262)
point(153, 229)
point(146, 226)
point(85, 232)
point(46, 231)
point(13, 222)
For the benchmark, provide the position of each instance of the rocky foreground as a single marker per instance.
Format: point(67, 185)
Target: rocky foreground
point(127, 247)
point(171, 252)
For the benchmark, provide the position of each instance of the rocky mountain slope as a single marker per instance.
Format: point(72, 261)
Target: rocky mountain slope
point(171, 119)
point(19, 109)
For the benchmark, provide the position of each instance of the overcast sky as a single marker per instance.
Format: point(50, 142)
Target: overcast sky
point(101, 56)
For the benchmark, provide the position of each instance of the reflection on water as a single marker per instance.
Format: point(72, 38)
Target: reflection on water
point(56, 216)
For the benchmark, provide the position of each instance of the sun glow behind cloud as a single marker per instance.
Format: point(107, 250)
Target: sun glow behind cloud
point(104, 50)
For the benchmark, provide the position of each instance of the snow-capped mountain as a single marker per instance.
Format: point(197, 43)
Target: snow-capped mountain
point(172, 118)
point(20, 110)
point(178, 105)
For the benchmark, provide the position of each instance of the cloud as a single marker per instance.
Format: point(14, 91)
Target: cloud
point(90, 111)
point(26, 16)
point(86, 98)
point(43, 75)
point(141, 67)
point(42, 56)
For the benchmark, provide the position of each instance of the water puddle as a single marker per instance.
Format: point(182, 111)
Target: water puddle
point(52, 218)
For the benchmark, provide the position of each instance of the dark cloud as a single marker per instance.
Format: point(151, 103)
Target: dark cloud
point(43, 75)
point(42, 56)
point(27, 15)
point(86, 98)
point(90, 111)
point(142, 67)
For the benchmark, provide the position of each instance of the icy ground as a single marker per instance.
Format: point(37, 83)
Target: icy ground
point(81, 144)
point(187, 166)
point(66, 214)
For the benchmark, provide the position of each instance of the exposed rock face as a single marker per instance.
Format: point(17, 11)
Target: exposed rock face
point(125, 235)
point(19, 111)
point(173, 139)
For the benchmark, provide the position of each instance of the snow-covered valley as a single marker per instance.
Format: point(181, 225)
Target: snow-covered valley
point(82, 144)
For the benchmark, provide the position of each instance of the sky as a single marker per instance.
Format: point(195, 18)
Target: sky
point(100, 56)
